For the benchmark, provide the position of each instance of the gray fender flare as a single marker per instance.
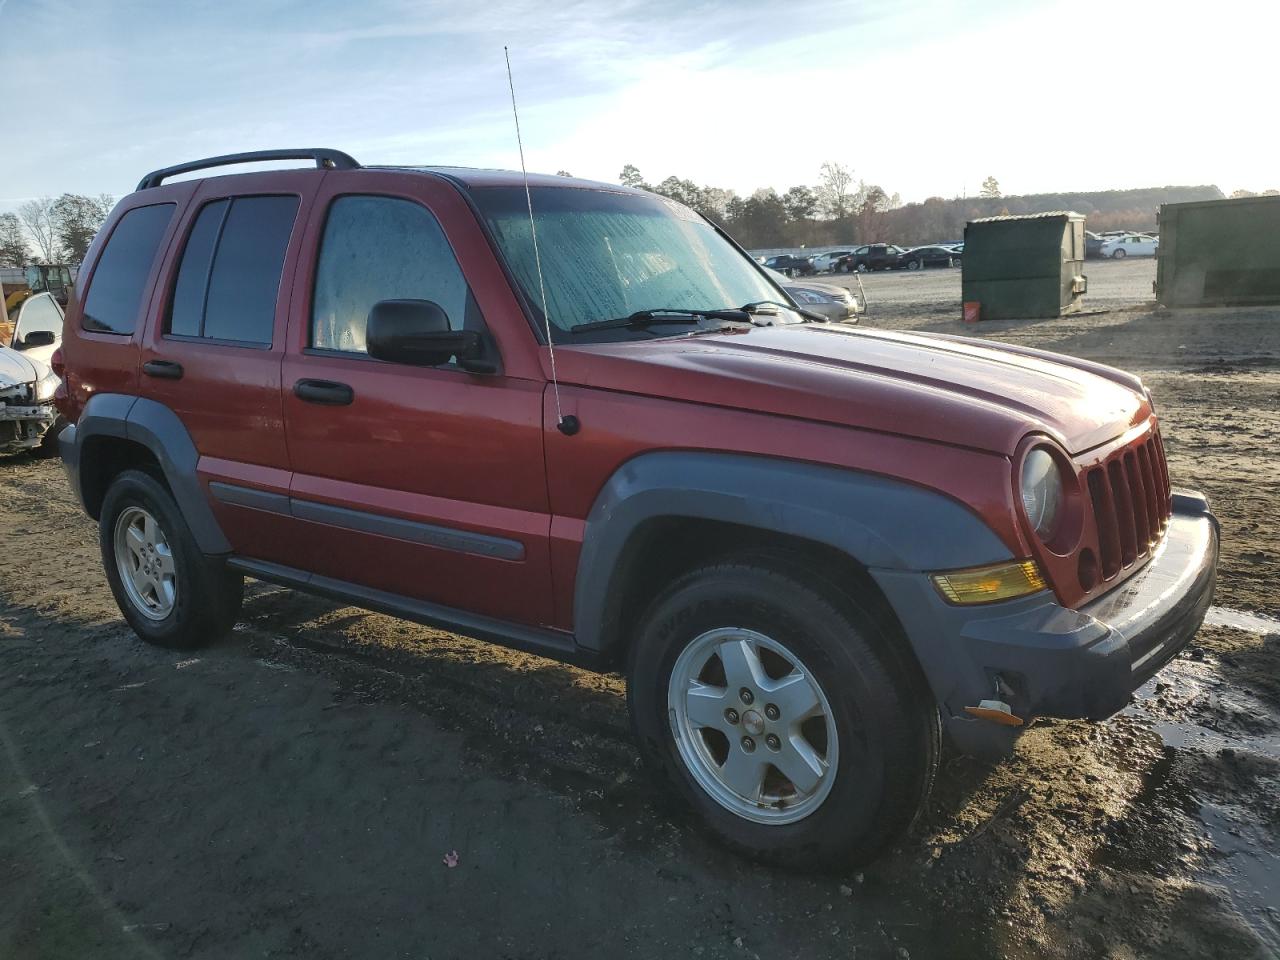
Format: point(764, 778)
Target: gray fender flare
point(878, 521)
point(156, 427)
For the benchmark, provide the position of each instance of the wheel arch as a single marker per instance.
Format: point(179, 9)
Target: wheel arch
point(116, 432)
point(662, 513)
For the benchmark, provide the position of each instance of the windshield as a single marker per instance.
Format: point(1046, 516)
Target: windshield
point(607, 255)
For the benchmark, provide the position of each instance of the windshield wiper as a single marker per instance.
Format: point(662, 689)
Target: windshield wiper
point(643, 318)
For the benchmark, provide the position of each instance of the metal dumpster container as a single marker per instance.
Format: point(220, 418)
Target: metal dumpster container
point(1219, 252)
point(1027, 267)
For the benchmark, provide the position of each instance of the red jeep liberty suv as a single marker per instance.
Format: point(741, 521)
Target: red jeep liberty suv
point(580, 421)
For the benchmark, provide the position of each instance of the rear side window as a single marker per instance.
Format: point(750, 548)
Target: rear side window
point(381, 248)
point(115, 293)
point(229, 277)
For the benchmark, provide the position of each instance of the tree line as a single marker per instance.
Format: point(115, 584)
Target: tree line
point(840, 209)
point(52, 229)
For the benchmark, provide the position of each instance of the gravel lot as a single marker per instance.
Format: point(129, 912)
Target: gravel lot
point(294, 791)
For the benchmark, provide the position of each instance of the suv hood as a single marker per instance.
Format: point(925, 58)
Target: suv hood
point(954, 390)
point(15, 368)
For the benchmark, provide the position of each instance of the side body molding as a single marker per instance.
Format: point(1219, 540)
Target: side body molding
point(880, 522)
point(156, 427)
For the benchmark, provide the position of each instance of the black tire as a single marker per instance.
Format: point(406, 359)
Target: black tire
point(208, 595)
point(883, 714)
point(914, 264)
point(1119, 254)
point(49, 442)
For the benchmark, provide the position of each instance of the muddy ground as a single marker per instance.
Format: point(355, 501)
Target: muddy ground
point(294, 791)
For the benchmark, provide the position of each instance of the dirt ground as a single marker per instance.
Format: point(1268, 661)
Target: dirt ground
point(296, 790)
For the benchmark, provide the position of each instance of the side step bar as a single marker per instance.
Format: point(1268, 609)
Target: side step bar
point(555, 644)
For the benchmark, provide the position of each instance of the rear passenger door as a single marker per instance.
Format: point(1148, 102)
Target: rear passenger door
point(426, 482)
point(213, 350)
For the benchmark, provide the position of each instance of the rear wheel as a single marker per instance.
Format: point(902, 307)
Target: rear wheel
point(169, 592)
point(782, 716)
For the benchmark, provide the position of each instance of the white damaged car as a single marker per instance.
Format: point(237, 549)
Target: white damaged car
point(27, 416)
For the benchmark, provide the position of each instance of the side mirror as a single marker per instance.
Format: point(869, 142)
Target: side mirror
point(417, 332)
point(38, 338)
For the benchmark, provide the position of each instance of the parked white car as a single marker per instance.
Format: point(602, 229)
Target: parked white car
point(826, 262)
point(1130, 245)
point(28, 420)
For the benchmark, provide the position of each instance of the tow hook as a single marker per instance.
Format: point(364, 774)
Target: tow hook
point(997, 711)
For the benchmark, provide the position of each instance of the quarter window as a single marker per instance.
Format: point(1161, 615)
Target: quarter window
point(117, 286)
point(382, 248)
point(229, 278)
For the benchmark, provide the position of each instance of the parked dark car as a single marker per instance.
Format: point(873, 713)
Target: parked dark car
point(928, 257)
point(1093, 245)
point(874, 256)
point(811, 549)
point(790, 265)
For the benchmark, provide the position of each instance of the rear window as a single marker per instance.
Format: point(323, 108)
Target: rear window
point(229, 278)
point(115, 293)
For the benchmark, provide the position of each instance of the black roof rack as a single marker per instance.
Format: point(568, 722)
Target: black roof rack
point(325, 160)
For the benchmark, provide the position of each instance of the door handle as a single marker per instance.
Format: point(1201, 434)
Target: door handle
point(164, 369)
point(324, 391)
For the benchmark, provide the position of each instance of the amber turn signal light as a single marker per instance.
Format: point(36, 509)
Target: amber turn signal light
point(999, 581)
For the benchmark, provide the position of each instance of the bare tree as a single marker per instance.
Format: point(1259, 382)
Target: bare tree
point(37, 216)
point(14, 251)
point(835, 191)
point(990, 189)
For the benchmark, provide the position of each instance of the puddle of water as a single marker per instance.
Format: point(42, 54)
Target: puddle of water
point(1244, 859)
point(1241, 620)
point(1248, 870)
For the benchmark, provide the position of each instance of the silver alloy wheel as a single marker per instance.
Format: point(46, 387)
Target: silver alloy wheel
point(752, 725)
point(144, 562)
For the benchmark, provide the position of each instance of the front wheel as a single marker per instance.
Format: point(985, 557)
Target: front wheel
point(783, 715)
point(863, 268)
point(169, 592)
point(1118, 255)
point(913, 265)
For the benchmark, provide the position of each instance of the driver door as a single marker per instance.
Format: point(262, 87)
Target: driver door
point(421, 481)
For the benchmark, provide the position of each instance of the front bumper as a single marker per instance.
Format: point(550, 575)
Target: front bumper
point(1045, 660)
point(23, 427)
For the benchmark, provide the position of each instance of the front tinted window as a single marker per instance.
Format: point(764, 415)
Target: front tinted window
point(382, 248)
point(115, 293)
point(607, 255)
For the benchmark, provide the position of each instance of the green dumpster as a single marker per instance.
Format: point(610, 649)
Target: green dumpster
point(1219, 252)
point(1023, 268)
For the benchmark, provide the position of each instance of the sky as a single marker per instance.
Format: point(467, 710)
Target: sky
point(925, 98)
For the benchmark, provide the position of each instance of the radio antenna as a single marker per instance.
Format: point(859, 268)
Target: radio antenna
point(566, 425)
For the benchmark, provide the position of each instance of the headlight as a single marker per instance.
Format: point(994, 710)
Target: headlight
point(46, 386)
point(807, 296)
point(1042, 492)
